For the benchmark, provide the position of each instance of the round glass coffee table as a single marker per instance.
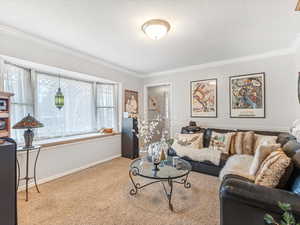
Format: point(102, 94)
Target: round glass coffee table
point(168, 173)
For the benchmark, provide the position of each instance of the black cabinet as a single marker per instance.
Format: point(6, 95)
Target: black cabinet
point(8, 193)
point(130, 142)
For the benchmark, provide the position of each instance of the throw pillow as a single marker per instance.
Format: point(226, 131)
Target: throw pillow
point(232, 145)
point(221, 141)
point(238, 145)
point(272, 169)
point(248, 143)
point(264, 138)
point(190, 140)
point(260, 155)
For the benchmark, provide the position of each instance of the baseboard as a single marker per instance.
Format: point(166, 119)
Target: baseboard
point(47, 179)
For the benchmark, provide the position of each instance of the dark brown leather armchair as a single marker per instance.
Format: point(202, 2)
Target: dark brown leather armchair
point(244, 203)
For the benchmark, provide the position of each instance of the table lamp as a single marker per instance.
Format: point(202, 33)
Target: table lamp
point(28, 122)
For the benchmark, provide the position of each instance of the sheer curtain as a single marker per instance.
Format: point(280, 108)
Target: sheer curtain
point(76, 117)
point(89, 106)
point(17, 80)
point(107, 106)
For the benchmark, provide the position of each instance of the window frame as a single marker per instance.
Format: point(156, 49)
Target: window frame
point(33, 76)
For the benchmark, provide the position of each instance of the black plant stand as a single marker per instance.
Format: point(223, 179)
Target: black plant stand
point(27, 178)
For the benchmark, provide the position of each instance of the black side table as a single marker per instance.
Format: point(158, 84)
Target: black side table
point(27, 178)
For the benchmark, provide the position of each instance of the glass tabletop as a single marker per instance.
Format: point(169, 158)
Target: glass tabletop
point(167, 170)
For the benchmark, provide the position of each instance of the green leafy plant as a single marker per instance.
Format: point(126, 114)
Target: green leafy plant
point(287, 216)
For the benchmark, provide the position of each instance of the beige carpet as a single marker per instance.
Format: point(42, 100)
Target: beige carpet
point(99, 195)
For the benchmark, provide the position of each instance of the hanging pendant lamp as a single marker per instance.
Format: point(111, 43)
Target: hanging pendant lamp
point(59, 97)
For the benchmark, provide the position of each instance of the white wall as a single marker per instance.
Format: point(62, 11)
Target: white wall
point(281, 93)
point(54, 162)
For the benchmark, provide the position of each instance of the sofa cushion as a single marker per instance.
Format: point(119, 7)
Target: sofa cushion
point(221, 141)
point(190, 140)
point(232, 144)
point(248, 143)
point(201, 155)
point(238, 144)
point(262, 152)
point(291, 148)
point(238, 165)
point(272, 169)
point(266, 139)
point(283, 138)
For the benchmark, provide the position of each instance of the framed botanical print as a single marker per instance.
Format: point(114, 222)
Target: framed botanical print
point(204, 98)
point(132, 103)
point(247, 96)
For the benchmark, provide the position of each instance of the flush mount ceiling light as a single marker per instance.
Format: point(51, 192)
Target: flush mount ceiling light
point(156, 29)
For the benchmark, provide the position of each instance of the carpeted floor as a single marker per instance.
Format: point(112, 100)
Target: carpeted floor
point(99, 195)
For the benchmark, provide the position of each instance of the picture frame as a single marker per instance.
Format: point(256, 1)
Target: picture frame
point(153, 103)
point(247, 96)
point(204, 98)
point(3, 105)
point(131, 103)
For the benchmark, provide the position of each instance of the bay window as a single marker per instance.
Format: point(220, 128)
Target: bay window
point(89, 106)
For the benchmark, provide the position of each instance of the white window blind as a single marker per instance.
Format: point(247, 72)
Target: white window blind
point(17, 80)
point(107, 116)
point(76, 117)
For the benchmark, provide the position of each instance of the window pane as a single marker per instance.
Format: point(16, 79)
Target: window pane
point(106, 118)
point(75, 117)
point(17, 81)
point(105, 95)
point(107, 106)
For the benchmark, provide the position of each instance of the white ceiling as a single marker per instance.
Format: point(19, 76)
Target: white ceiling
point(202, 30)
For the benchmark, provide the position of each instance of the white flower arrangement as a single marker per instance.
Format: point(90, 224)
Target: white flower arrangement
point(147, 130)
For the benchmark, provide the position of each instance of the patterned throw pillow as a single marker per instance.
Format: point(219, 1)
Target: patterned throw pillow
point(221, 141)
point(262, 152)
point(239, 143)
point(272, 169)
point(190, 140)
point(248, 143)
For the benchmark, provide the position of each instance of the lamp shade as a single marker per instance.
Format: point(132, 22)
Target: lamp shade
point(28, 122)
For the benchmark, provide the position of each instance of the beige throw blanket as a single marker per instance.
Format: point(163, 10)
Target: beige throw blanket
point(203, 154)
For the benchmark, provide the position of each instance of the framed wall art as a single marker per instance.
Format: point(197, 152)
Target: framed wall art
point(247, 96)
point(204, 98)
point(131, 103)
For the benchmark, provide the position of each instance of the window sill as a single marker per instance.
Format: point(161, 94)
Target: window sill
point(73, 139)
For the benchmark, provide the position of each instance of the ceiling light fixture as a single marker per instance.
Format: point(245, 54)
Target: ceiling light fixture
point(156, 29)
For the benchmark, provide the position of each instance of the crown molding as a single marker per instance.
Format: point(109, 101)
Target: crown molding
point(286, 51)
point(21, 34)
